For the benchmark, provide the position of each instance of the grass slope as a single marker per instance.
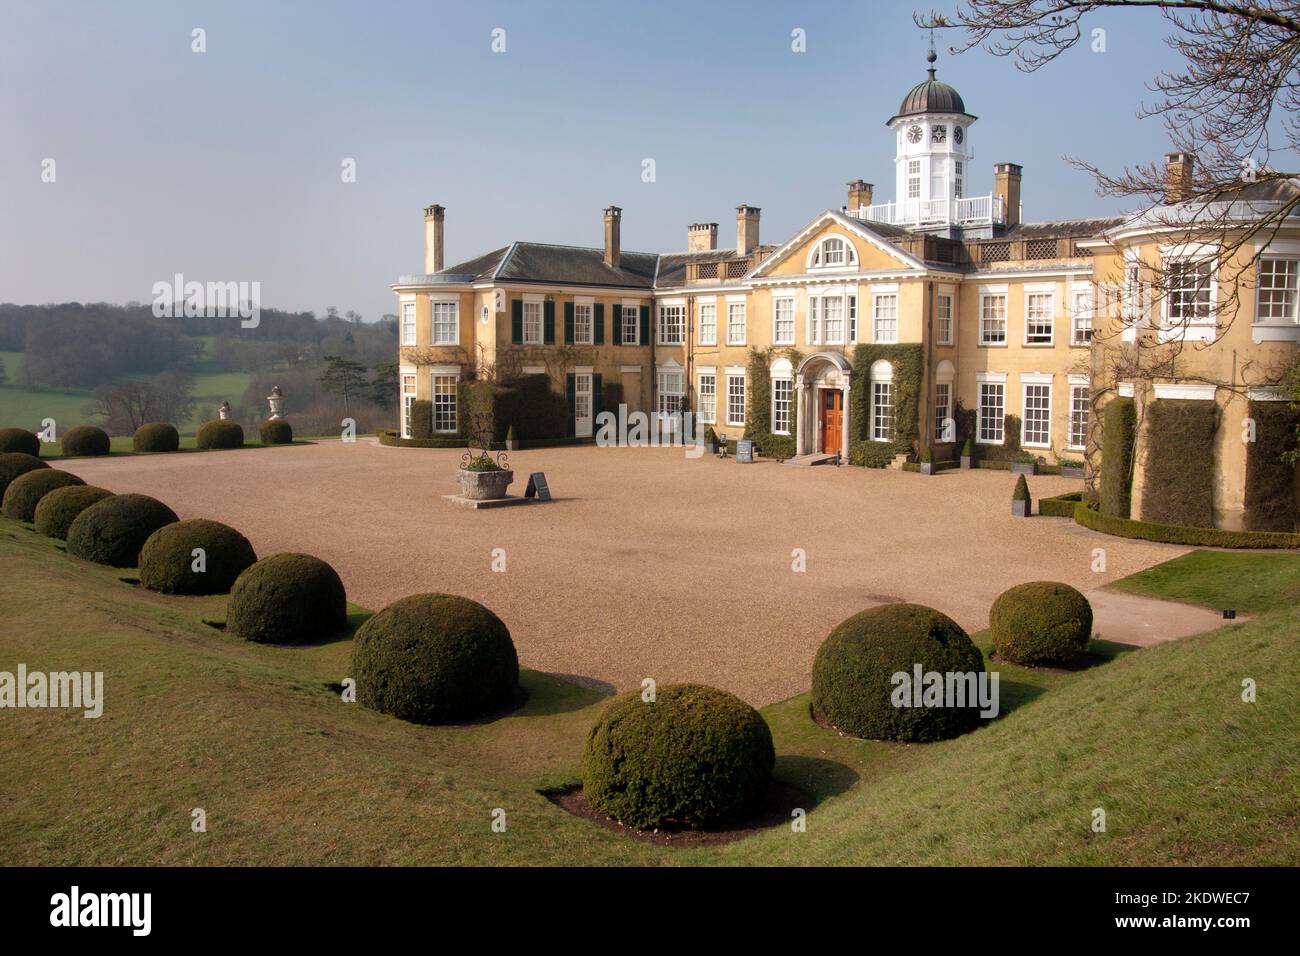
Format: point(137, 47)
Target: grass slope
point(289, 774)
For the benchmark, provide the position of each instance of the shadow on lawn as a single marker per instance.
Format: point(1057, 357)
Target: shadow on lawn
point(816, 776)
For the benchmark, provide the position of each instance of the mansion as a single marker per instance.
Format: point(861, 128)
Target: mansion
point(964, 319)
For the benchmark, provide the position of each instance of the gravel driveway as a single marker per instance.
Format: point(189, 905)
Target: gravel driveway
point(649, 564)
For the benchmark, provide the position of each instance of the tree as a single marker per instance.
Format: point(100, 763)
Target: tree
point(344, 377)
point(383, 387)
point(4, 376)
point(127, 406)
point(1232, 106)
point(1291, 386)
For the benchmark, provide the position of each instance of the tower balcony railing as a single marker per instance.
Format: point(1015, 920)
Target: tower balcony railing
point(967, 211)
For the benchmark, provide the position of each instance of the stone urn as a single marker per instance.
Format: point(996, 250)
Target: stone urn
point(276, 402)
point(485, 485)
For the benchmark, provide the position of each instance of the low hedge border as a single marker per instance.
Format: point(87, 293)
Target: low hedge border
point(1175, 534)
point(1060, 506)
point(389, 437)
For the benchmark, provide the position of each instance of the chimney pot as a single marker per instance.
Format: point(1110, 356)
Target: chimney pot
point(1006, 185)
point(702, 237)
point(859, 194)
point(1178, 177)
point(433, 219)
point(746, 229)
point(613, 220)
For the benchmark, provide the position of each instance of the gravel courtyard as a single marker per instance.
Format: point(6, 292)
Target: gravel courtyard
point(652, 565)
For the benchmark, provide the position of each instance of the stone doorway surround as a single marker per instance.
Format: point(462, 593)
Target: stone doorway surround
point(816, 373)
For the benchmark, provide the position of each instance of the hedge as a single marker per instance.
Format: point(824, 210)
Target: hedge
point(1118, 441)
point(20, 440)
point(167, 560)
point(1060, 506)
point(391, 438)
point(906, 361)
point(1270, 481)
point(221, 433)
point(1041, 622)
point(1173, 534)
point(1010, 448)
point(26, 491)
point(420, 420)
point(1177, 463)
point(156, 436)
point(57, 510)
point(287, 598)
point(85, 441)
point(276, 431)
point(112, 531)
point(15, 463)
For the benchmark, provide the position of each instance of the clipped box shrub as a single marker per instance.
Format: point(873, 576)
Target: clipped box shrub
point(1042, 622)
point(287, 598)
point(25, 492)
point(435, 658)
point(694, 757)
point(1270, 503)
point(220, 434)
point(421, 419)
point(1060, 506)
point(852, 674)
point(60, 507)
point(1118, 440)
point(156, 436)
point(168, 562)
point(20, 440)
point(15, 463)
point(1177, 463)
point(85, 440)
point(113, 531)
point(276, 431)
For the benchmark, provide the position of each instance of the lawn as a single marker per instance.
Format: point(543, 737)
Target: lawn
point(1219, 580)
point(289, 774)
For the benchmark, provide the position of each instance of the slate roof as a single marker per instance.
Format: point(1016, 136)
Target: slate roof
point(576, 265)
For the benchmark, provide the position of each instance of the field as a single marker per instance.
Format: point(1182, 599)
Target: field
point(287, 773)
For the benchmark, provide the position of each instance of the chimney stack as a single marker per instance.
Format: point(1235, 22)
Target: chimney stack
point(613, 218)
point(433, 216)
point(859, 195)
point(1178, 177)
point(1006, 184)
point(702, 237)
point(746, 229)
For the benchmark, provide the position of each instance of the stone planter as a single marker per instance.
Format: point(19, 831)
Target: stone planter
point(512, 444)
point(1024, 468)
point(1021, 509)
point(1071, 472)
point(711, 448)
point(927, 468)
point(484, 485)
point(967, 461)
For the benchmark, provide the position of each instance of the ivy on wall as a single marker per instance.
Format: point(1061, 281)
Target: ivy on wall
point(1118, 440)
point(758, 414)
point(1178, 482)
point(906, 396)
point(1270, 480)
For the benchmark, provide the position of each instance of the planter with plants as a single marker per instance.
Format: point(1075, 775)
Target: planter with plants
point(512, 443)
point(1024, 465)
point(482, 476)
point(1071, 468)
point(927, 462)
point(1022, 506)
point(968, 454)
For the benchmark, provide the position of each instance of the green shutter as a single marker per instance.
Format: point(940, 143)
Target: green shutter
point(645, 325)
point(598, 319)
point(568, 323)
point(571, 393)
point(517, 321)
point(548, 323)
point(616, 324)
point(597, 399)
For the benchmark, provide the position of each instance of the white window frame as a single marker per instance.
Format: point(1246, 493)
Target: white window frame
point(879, 296)
point(1035, 382)
point(945, 330)
point(851, 307)
point(584, 306)
point(914, 179)
point(987, 295)
point(779, 303)
point(1077, 387)
point(782, 408)
point(634, 310)
point(1082, 309)
point(820, 253)
point(734, 376)
point(942, 406)
point(881, 384)
point(408, 322)
point(406, 377)
point(1032, 292)
point(671, 392)
point(996, 384)
point(708, 406)
point(446, 306)
point(538, 306)
point(674, 332)
point(1182, 257)
point(434, 381)
point(1293, 269)
point(708, 334)
point(737, 307)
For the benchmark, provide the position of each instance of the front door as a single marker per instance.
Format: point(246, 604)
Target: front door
point(832, 420)
point(582, 405)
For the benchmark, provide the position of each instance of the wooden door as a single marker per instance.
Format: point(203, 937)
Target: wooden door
point(832, 420)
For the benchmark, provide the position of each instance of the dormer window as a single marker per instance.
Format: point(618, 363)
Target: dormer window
point(832, 252)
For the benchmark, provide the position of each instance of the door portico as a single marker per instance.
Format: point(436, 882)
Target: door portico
point(823, 384)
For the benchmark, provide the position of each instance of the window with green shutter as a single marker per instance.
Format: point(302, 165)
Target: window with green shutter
point(548, 323)
point(599, 320)
point(517, 321)
point(568, 323)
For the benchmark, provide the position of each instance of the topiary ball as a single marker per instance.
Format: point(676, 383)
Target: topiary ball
point(15, 463)
point(114, 530)
point(1042, 622)
point(168, 562)
point(58, 509)
point(276, 431)
point(853, 674)
point(156, 436)
point(287, 599)
point(435, 658)
point(695, 757)
point(86, 440)
point(220, 434)
point(19, 439)
point(26, 491)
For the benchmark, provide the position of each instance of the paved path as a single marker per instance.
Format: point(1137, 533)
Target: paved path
point(1133, 619)
point(649, 564)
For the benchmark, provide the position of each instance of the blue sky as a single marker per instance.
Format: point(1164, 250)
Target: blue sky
point(226, 165)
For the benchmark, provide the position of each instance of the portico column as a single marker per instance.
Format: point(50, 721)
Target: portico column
point(798, 415)
point(844, 423)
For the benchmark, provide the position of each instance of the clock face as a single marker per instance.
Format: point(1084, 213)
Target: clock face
point(939, 134)
point(959, 133)
point(914, 134)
